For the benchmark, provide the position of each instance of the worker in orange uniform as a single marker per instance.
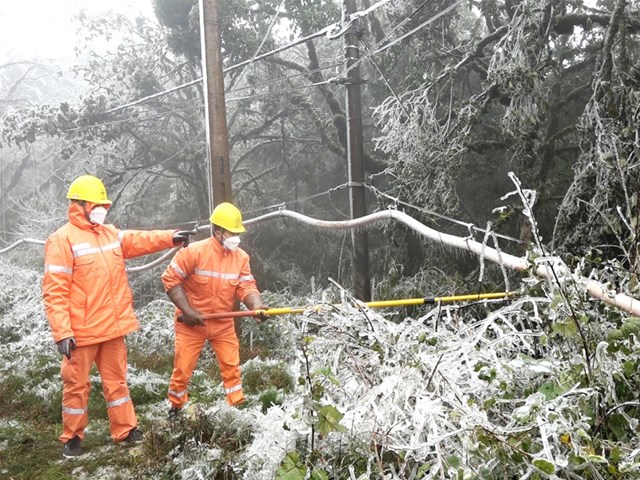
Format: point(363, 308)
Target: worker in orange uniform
point(203, 279)
point(89, 306)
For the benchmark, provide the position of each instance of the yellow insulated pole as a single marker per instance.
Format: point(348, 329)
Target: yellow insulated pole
point(454, 298)
point(379, 304)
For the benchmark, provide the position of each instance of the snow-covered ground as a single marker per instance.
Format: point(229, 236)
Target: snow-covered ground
point(490, 391)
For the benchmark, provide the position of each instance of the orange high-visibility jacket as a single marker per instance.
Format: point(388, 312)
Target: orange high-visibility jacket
point(85, 287)
point(212, 276)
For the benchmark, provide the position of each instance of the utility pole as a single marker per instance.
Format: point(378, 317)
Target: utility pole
point(214, 105)
point(355, 154)
point(216, 114)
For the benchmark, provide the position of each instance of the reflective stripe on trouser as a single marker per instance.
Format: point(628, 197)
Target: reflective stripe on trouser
point(188, 346)
point(111, 360)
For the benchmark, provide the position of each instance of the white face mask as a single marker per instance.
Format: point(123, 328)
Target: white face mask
point(231, 243)
point(97, 215)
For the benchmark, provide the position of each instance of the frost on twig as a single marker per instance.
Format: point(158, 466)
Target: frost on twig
point(496, 388)
point(466, 389)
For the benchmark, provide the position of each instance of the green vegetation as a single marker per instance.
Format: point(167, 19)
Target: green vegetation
point(479, 98)
point(504, 388)
point(30, 425)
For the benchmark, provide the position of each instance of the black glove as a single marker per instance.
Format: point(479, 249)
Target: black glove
point(66, 345)
point(183, 237)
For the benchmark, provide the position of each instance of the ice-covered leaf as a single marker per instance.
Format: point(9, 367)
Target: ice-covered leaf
point(329, 420)
point(292, 468)
point(544, 466)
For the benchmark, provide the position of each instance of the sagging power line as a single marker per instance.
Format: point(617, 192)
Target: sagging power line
point(332, 32)
point(329, 31)
point(548, 268)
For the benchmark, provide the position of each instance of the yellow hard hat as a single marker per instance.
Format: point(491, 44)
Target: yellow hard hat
point(88, 188)
point(227, 216)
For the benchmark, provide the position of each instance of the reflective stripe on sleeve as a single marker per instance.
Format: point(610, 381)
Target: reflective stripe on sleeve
point(178, 270)
point(58, 269)
point(120, 401)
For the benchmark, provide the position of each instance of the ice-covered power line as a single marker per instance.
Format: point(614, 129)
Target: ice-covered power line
point(419, 27)
point(264, 39)
point(22, 241)
point(325, 31)
point(378, 49)
point(155, 95)
point(320, 33)
point(367, 11)
point(288, 77)
point(402, 23)
point(280, 92)
point(329, 31)
point(549, 268)
point(139, 119)
point(332, 31)
point(469, 226)
point(395, 201)
point(200, 105)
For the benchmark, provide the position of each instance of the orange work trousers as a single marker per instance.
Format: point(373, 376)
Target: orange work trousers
point(189, 342)
point(111, 359)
